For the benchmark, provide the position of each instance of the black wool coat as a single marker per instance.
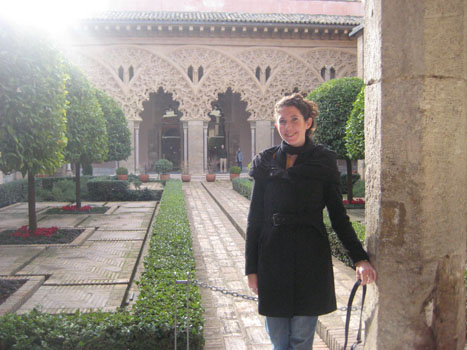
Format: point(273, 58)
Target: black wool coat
point(291, 252)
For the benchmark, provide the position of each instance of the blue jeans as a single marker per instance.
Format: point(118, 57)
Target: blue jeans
point(291, 333)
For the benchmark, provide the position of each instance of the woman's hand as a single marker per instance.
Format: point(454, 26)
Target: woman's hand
point(253, 282)
point(365, 272)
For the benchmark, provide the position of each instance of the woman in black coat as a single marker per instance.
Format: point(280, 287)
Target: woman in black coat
point(288, 257)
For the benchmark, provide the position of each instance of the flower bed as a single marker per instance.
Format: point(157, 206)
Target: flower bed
point(72, 209)
point(357, 203)
point(150, 324)
point(8, 287)
point(49, 235)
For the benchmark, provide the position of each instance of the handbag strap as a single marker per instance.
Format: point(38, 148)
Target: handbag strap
point(349, 309)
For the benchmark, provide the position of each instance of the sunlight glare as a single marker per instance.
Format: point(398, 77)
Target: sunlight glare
point(51, 16)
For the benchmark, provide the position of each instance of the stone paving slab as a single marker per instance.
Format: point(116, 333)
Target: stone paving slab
point(231, 323)
point(129, 210)
point(94, 261)
point(113, 235)
point(14, 258)
point(146, 204)
point(61, 220)
point(86, 298)
point(20, 296)
point(40, 205)
point(138, 221)
point(12, 219)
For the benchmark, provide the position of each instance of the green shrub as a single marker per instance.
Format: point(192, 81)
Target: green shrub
point(355, 178)
point(61, 189)
point(121, 171)
point(337, 249)
point(235, 170)
point(87, 169)
point(359, 188)
point(13, 192)
point(171, 251)
point(163, 166)
point(150, 324)
point(107, 190)
point(243, 186)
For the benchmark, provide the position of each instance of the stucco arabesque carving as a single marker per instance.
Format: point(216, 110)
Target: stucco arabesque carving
point(221, 70)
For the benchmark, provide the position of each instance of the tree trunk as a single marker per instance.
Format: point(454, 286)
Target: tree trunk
point(32, 202)
point(78, 184)
point(349, 181)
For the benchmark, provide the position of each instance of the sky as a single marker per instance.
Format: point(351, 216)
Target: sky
point(49, 15)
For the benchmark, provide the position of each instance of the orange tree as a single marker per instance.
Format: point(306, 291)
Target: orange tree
point(118, 134)
point(335, 100)
point(32, 108)
point(86, 130)
point(355, 128)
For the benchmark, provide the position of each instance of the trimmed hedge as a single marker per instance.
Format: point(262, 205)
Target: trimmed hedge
point(149, 325)
point(117, 190)
point(355, 178)
point(171, 251)
point(337, 249)
point(13, 192)
point(243, 186)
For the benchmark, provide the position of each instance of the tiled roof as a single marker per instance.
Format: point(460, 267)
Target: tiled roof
point(223, 17)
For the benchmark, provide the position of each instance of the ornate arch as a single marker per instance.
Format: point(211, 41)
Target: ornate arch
point(343, 61)
point(287, 72)
point(221, 71)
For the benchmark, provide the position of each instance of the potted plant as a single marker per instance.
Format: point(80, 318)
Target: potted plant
point(162, 167)
point(122, 173)
point(210, 175)
point(144, 177)
point(234, 172)
point(186, 176)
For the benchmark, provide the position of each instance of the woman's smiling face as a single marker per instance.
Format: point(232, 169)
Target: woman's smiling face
point(292, 126)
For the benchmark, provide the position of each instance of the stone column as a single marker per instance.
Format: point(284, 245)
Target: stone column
point(263, 135)
point(416, 151)
point(185, 143)
point(136, 142)
point(196, 145)
point(1, 177)
point(253, 139)
point(130, 162)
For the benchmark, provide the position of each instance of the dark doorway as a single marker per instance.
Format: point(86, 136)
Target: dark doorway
point(160, 131)
point(229, 126)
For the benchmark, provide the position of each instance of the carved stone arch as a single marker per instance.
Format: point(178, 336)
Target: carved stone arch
point(103, 78)
point(151, 71)
point(220, 71)
point(287, 73)
point(343, 61)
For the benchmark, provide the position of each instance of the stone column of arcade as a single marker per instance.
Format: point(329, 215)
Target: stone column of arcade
point(416, 150)
point(196, 144)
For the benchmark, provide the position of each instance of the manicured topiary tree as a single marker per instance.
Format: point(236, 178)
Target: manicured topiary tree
point(118, 134)
point(32, 108)
point(335, 100)
point(86, 130)
point(355, 129)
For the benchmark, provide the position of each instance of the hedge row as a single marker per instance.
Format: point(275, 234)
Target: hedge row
point(243, 186)
point(171, 252)
point(117, 190)
point(13, 192)
point(150, 324)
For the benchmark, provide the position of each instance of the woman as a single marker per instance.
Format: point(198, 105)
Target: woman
point(288, 257)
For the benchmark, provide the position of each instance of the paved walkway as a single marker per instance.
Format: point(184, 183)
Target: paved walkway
point(96, 271)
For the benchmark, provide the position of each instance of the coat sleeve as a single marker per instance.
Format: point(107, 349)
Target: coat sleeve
point(339, 219)
point(254, 226)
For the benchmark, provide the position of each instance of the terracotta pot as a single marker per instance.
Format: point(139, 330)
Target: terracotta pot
point(186, 177)
point(210, 177)
point(144, 177)
point(122, 177)
point(164, 177)
point(233, 176)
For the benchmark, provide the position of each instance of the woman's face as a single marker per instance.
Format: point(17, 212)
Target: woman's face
point(292, 126)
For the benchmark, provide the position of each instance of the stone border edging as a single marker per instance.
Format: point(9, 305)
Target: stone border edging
point(19, 297)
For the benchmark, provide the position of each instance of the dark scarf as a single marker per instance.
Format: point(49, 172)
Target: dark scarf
point(286, 148)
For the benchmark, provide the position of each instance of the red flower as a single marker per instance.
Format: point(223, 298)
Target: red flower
point(74, 208)
point(23, 231)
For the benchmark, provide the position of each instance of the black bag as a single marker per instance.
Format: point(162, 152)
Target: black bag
point(358, 343)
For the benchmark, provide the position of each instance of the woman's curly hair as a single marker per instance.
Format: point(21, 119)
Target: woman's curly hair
point(307, 108)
